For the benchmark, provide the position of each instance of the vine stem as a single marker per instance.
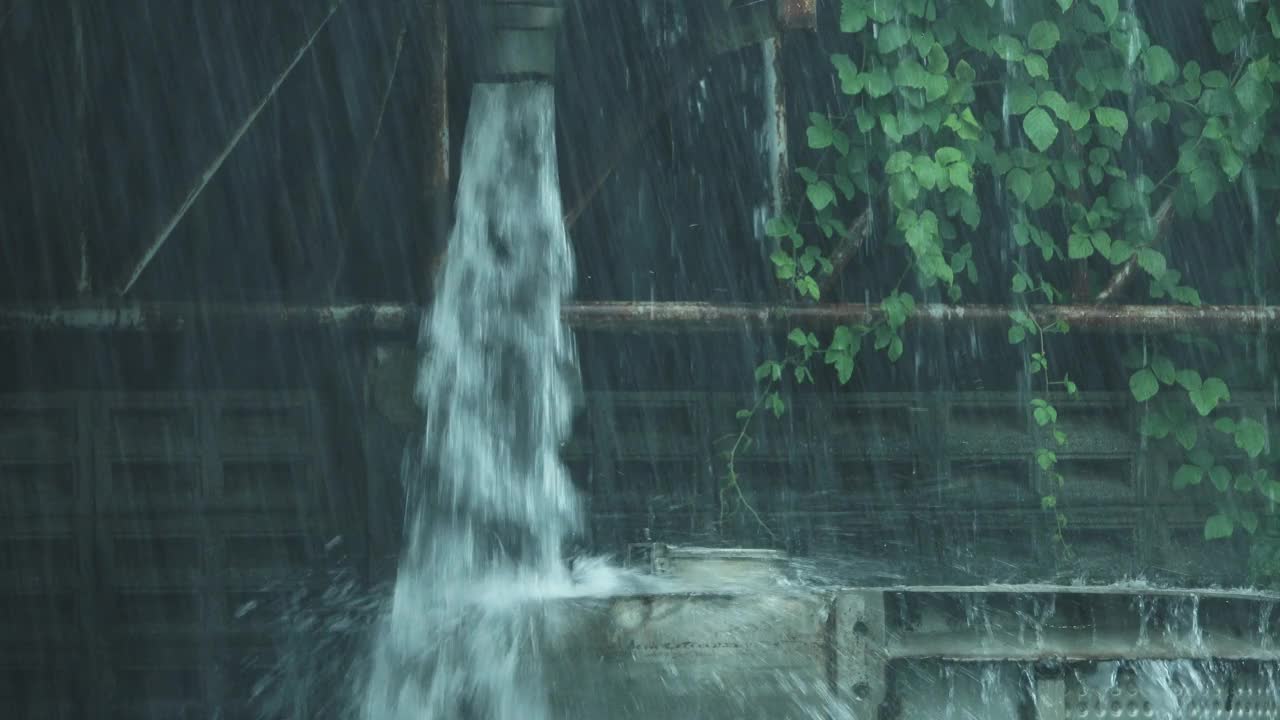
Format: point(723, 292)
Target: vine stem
point(731, 454)
point(850, 243)
point(732, 479)
point(1048, 388)
point(1163, 215)
point(1122, 276)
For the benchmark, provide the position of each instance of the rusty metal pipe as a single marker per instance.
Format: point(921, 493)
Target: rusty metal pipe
point(520, 39)
point(639, 317)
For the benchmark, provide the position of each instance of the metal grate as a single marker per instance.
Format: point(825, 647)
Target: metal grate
point(134, 526)
point(959, 465)
point(1247, 694)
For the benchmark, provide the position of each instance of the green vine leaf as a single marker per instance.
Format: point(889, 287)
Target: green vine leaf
point(877, 82)
point(898, 162)
point(1187, 434)
point(897, 308)
point(1008, 48)
point(1158, 65)
point(1227, 35)
point(1022, 97)
point(1156, 425)
point(891, 38)
point(820, 194)
point(881, 11)
point(1220, 477)
point(1036, 66)
point(1044, 36)
point(775, 404)
point(1250, 436)
point(1206, 397)
point(1163, 368)
point(851, 83)
point(808, 286)
point(1153, 262)
point(1202, 458)
point(1218, 527)
point(1144, 385)
point(1020, 184)
point(1248, 482)
point(1188, 379)
point(766, 370)
point(936, 60)
point(1101, 240)
point(843, 338)
point(1046, 459)
point(1248, 520)
point(1271, 491)
point(895, 349)
point(1109, 117)
point(1042, 187)
point(1204, 180)
point(1040, 128)
point(1079, 246)
point(779, 227)
point(843, 351)
point(784, 266)
point(853, 16)
point(961, 176)
point(1186, 476)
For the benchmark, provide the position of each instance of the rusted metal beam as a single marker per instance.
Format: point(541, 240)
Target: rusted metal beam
point(438, 173)
point(850, 244)
point(171, 317)
point(144, 259)
point(647, 317)
point(1136, 319)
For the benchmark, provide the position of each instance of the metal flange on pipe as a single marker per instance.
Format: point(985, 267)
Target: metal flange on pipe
point(519, 42)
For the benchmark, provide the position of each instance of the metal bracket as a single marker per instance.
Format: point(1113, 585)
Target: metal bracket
point(858, 663)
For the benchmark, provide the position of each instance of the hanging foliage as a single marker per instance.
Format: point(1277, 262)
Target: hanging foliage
point(1039, 108)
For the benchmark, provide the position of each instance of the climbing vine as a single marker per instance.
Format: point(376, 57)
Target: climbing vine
point(1036, 134)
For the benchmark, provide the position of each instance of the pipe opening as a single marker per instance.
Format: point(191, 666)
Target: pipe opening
point(520, 40)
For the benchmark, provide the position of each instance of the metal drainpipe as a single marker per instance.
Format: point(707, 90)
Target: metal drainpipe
point(521, 39)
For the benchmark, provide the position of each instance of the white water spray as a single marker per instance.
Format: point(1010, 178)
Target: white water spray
point(489, 501)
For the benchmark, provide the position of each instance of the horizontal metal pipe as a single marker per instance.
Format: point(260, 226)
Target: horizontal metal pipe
point(647, 317)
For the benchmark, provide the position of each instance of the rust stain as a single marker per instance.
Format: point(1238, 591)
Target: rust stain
point(800, 14)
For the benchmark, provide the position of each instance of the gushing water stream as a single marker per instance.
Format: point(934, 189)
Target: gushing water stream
point(490, 503)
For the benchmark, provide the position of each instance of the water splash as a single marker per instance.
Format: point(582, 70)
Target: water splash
point(490, 503)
